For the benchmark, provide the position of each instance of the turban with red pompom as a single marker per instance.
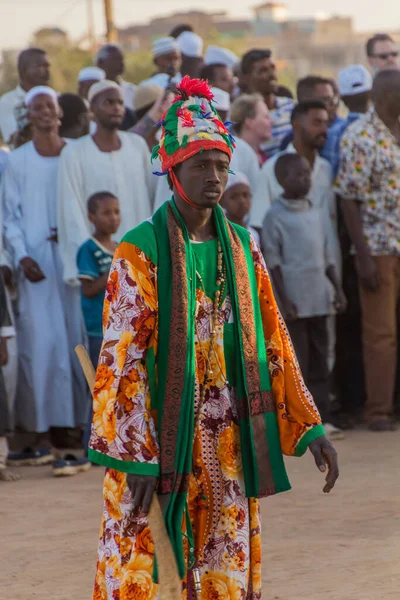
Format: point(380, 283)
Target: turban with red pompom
point(191, 125)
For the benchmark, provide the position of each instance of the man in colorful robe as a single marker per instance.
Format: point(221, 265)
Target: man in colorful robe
point(198, 391)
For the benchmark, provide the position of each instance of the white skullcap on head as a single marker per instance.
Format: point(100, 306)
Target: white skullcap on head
point(235, 179)
point(355, 79)
point(91, 74)
point(222, 99)
point(190, 44)
point(40, 90)
point(102, 86)
point(220, 56)
point(165, 46)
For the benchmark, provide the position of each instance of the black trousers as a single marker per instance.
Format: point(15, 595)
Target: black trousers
point(310, 340)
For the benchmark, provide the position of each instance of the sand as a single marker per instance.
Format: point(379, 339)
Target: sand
point(342, 546)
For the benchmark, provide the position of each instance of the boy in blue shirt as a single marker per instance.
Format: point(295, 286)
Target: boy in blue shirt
point(94, 262)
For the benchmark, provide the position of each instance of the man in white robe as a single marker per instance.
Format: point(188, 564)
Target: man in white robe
point(110, 59)
point(109, 160)
point(10, 370)
point(48, 319)
point(33, 70)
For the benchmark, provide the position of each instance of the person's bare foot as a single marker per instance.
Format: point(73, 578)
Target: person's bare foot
point(7, 475)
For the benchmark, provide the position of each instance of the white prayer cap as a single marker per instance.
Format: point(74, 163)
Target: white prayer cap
point(222, 99)
point(102, 86)
point(91, 74)
point(165, 46)
point(190, 44)
point(353, 80)
point(220, 56)
point(235, 179)
point(40, 90)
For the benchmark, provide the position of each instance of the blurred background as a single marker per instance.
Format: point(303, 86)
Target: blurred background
point(303, 38)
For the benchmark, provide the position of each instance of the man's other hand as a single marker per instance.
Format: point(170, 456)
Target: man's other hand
point(325, 456)
point(142, 489)
point(31, 269)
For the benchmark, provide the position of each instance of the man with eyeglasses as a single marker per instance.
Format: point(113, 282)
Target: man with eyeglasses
point(382, 52)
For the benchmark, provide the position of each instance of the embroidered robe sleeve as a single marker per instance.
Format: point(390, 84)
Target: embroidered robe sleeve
point(124, 434)
point(298, 418)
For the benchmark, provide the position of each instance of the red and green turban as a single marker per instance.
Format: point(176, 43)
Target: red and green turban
point(191, 125)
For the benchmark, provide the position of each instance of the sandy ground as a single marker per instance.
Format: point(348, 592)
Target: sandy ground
point(345, 546)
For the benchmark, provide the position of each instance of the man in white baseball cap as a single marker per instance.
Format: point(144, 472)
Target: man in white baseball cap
point(191, 47)
point(355, 85)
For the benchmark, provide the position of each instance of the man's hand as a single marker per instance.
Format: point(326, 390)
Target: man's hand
point(290, 311)
point(325, 454)
point(142, 489)
point(340, 301)
point(3, 352)
point(7, 274)
point(368, 273)
point(53, 237)
point(160, 106)
point(31, 269)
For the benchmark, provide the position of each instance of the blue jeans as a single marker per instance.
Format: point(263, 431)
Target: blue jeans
point(94, 353)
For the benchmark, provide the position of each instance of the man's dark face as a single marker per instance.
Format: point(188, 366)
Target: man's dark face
point(312, 128)
point(108, 109)
point(84, 87)
point(204, 177)
point(262, 78)
point(44, 113)
point(324, 92)
point(169, 63)
point(223, 79)
point(37, 71)
point(113, 65)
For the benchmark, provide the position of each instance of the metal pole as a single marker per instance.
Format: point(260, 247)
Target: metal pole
point(110, 27)
point(90, 25)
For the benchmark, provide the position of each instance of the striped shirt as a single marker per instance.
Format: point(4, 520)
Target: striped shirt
point(281, 125)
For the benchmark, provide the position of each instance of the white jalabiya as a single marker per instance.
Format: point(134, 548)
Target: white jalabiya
point(244, 159)
point(84, 170)
point(8, 102)
point(47, 385)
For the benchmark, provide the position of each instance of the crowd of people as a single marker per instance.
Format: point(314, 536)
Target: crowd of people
point(314, 178)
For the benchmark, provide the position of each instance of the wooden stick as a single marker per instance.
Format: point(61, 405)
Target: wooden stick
point(170, 584)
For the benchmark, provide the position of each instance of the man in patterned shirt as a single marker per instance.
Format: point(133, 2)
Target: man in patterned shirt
point(197, 390)
point(369, 185)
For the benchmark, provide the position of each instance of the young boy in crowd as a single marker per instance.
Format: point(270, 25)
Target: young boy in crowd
point(297, 247)
point(6, 331)
point(94, 262)
point(236, 202)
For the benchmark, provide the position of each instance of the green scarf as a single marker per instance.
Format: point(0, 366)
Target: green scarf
point(263, 466)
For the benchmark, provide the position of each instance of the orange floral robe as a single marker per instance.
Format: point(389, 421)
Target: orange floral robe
point(226, 524)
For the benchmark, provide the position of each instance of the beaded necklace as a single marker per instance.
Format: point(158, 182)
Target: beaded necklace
point(218, 299)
